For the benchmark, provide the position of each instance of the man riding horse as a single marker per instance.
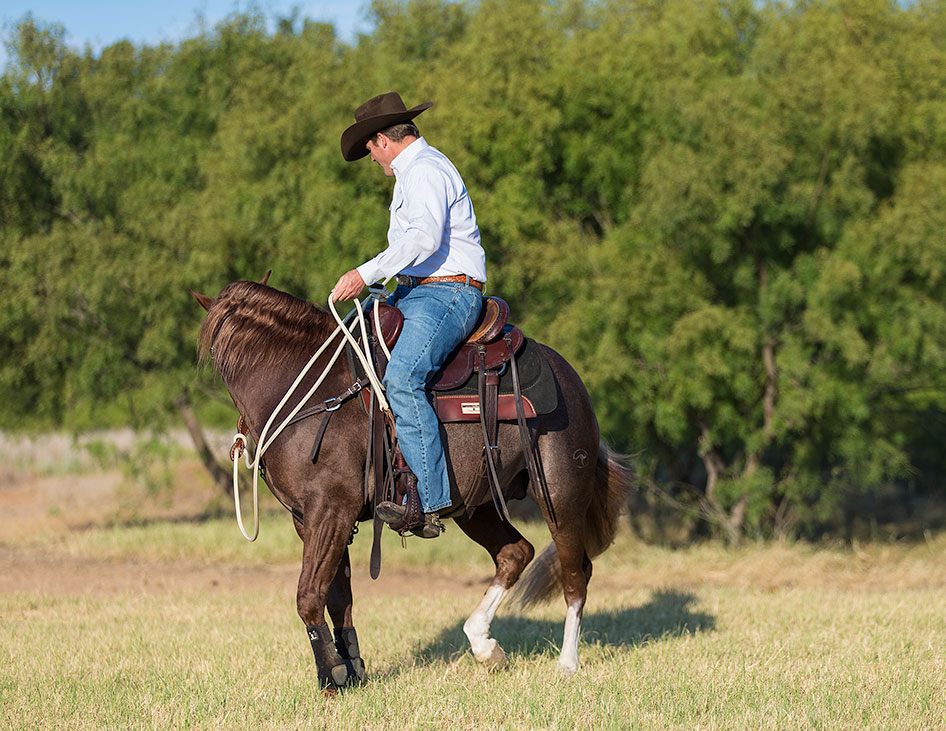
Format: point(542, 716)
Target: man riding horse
point(262, 342)
point(434, 250)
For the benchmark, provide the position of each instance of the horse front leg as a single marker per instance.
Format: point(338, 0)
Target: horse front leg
point(339, 609)
point(324, 543)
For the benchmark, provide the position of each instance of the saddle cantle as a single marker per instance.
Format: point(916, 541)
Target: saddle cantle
point(493, 318)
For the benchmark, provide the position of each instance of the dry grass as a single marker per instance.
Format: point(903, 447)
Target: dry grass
point(717, 657)
point(181, 624)
point(769, 636)
point(781, 565)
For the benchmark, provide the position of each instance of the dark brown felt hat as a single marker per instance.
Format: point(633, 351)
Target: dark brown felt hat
point(373, 116)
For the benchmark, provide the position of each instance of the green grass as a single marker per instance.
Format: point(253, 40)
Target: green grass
point(767, 636)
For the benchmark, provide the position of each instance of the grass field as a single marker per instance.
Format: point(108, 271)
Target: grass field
point(767, 636)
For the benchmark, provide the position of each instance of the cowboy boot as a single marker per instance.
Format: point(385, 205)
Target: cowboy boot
point(408, 517)
point(427, 525)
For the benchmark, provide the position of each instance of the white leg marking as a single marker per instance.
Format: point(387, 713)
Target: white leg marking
point(486, 649)
point(568, 660)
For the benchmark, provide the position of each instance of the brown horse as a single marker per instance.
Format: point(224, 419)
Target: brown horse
point(260, 338)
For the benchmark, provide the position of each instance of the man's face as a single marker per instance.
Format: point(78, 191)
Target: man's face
point(382, 152)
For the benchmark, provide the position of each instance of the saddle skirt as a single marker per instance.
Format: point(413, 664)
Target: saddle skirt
point(493, 342)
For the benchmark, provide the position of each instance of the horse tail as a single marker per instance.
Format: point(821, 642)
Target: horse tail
point(613, 482)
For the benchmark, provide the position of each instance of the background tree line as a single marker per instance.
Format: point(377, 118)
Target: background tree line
point(730, 216)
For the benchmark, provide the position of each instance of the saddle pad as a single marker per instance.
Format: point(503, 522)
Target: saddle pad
point(536, 382)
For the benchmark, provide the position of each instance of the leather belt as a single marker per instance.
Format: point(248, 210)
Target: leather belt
point(408, 281)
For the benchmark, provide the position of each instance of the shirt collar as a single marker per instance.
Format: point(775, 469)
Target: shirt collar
point(406, 156)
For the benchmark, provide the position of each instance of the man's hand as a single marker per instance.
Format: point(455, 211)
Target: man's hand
point(348, 286)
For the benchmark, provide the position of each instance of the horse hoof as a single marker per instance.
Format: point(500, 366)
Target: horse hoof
point(568, 670)
point(495, 658)
point(329, 692)
point(349, 674)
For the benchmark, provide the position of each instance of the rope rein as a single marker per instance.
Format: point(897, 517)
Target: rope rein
point(240, 446)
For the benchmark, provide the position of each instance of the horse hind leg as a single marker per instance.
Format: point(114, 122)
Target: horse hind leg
point(485, 648)
point(587, 524)
point(510, 553)
point(572, 496)
point(575, 576)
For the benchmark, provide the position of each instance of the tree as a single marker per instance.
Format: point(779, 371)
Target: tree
point(727, 215)
point(747, 340)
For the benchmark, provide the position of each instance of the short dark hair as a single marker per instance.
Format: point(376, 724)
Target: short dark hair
point(398, 132)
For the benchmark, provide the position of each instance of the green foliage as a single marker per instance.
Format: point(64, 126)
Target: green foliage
point(728, 215)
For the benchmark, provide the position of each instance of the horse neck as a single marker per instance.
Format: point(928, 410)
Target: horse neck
point(257, 390)
point(258, 394)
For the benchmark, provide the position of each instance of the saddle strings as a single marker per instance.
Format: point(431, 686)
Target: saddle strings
point(375, 294)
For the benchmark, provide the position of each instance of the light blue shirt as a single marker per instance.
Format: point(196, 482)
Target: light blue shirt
point(433, 230)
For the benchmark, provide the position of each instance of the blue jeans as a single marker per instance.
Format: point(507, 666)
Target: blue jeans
point(437, 318)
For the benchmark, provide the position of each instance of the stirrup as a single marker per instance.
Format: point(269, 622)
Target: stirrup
point(432, 526)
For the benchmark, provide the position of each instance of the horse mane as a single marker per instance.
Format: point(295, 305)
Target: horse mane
point(251, 326)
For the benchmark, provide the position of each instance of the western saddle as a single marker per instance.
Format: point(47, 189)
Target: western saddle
point(488, 351)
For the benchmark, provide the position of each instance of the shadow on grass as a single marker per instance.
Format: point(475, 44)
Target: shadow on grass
point(668, 614)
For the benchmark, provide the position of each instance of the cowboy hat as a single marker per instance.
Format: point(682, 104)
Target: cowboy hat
point(374, 115)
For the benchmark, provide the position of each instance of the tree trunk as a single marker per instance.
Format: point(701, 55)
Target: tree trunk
point(222, 477)
point(731, 521)
point(735, 519)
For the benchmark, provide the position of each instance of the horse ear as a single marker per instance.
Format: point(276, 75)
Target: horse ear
point(203, 300)
point(266, 278)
